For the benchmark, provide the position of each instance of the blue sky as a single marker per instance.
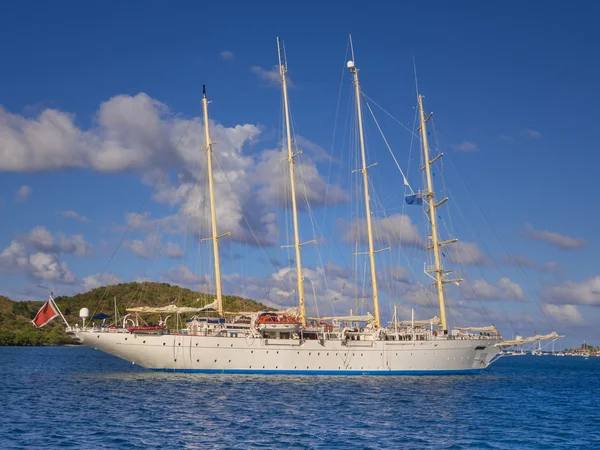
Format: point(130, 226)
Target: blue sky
point(93, 98)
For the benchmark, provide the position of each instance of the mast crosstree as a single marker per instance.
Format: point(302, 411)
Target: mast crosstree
point(290, 160)
point(213, 212)
point(354, 71)
point(438, 271)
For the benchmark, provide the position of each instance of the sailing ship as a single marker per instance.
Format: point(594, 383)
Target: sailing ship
point(289, 342)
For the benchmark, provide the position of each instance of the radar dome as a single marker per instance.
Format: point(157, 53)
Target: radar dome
point(84, 313)
point(350, 65)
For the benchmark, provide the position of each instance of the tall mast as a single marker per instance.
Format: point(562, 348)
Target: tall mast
point(290, 159)
point(354, 70)
point(438, 270)
point(213, 212)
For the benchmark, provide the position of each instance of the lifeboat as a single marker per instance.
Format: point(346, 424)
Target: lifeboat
point(277, 322)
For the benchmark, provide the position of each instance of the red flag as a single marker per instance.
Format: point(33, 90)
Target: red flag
point(44, 315)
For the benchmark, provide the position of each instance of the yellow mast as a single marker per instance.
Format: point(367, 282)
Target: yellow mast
point(290, 159)
point(354, 70)
point(213, 212)
point(440, 273)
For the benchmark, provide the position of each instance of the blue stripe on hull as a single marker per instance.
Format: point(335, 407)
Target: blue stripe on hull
point(327, 372)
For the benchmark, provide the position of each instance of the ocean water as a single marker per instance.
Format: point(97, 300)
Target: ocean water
point(82, 398)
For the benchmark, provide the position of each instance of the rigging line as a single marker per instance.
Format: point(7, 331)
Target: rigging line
point(412, 140)
point(260, 246)
point(392, 117)
point(451, 230)
point(312, 222)
point(335, 122)
point(457, 258)
point(311, 214)
point(488, 223)
point(406, 183)
point(169, 156)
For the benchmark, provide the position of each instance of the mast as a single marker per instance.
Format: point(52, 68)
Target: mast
point(213, 212)
point(290, 159)
point(438, 270)
point(354, 70)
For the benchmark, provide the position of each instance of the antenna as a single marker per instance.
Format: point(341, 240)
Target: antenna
point(351, 47)
point(280, 54)
point(415, 70)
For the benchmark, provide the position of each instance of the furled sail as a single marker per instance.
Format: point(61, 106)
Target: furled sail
point(435, 321)
point(366, 318)
point(522, 341)
point(164, 309)
point(488, 329)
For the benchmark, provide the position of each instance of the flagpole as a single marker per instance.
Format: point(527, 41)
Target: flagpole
point(59, 311)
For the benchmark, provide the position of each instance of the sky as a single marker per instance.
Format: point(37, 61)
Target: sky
point(103, 178)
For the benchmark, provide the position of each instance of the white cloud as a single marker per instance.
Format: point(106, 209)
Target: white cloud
point(272, 176)
point(522, 261)
point(24, 191)
point(393, 230)
point(467, 253)
point(466, 146)
point(585, 292)
point(227, 55)
point(567, 314)
point(172, 250)
point(148, 248)
point(140, 134)
point(46, 267)
point(96, 280)
point(272, 76)
point(75, 244)
point(504, 289)
point(36, 255)
point(532, 133)
point(41, 239)
point(558, 240)
point(74, 215)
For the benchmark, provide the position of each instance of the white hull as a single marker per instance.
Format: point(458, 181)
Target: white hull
point(210, 354)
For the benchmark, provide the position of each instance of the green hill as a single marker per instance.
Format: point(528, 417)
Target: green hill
point(15, 317)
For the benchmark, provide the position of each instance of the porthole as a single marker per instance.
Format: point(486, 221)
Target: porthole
point(197, 360)
point(125, 338)
point(143, 342)
point(164, 343)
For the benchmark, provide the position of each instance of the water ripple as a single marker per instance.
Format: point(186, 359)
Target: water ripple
point(77, 397)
